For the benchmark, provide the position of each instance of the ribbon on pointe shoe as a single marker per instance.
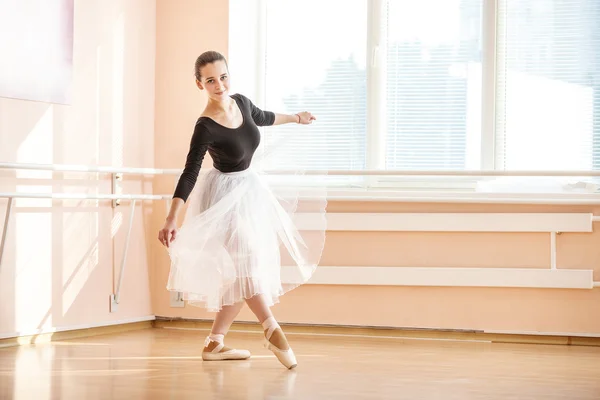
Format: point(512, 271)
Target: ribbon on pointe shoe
point(286, 357)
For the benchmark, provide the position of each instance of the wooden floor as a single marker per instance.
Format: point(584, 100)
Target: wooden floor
point(166, 364)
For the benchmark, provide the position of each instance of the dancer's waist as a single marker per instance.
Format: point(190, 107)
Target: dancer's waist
point(246, 171)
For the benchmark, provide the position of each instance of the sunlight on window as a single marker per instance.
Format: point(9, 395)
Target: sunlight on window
point(434, 84)
point(429, 22)
point(417, 100)
point(316, 61)
point(548, 85)
point(551, 124)
point(299, 57)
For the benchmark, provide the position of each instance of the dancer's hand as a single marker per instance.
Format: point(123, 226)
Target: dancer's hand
point(305, 118)
point(168, 233)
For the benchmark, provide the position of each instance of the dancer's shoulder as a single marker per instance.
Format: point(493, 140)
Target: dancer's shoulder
point(201, 130)
point(238, 96)
point(241, 98)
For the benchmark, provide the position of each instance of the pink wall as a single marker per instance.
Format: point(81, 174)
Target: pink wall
point(62, 256)
point(522, 310)
point(184, 29)
point(493, 309)
point(135, 104)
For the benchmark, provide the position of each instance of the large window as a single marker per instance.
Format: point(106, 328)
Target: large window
point(428, 84)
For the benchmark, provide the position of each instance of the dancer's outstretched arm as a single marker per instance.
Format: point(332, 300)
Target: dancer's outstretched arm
point(303, 118)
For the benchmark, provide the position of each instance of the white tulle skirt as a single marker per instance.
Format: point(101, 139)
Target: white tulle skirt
point(240, 238)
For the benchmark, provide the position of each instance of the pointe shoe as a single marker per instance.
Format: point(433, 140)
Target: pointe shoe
point(285, 357)
point(216, 351)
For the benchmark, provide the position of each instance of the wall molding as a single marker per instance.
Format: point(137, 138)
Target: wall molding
point(452, 277)
point(450, 222)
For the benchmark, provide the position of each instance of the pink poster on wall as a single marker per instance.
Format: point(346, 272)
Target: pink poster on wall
point(36, 50)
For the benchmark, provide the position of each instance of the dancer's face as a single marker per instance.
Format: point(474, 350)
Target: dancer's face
point(214, 78)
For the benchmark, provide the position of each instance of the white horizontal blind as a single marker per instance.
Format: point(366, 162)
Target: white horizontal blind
point(433, 84)
point(315, 57)
point(548, 84)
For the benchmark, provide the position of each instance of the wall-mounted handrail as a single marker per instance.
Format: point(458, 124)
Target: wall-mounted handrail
point(89, 168)
point(413, 197)
point(115, 297)
point(84, 196)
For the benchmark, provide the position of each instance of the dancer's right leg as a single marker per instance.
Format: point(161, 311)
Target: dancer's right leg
point(259, 307)
point(276, 340)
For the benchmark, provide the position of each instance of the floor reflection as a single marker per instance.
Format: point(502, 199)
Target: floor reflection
point(166, 364)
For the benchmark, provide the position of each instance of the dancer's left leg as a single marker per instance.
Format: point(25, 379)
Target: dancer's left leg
point(214, 347)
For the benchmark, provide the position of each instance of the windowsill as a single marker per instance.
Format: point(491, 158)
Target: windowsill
point(443, 196)
point(462, 191)
point(449, 196)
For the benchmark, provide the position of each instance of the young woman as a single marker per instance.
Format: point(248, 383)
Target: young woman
point(229, 249)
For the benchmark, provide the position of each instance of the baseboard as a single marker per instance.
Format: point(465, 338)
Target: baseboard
point(75, 332)
point(457, 335)
point(464, 335)
point(448, 222)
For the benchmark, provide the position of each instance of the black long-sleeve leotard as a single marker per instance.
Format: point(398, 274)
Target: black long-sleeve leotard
point(230, 149)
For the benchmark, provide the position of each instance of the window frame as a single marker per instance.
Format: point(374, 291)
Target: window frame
point(376, 139)
point(376, 113)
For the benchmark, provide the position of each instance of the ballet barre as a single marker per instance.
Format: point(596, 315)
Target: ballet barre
point(364, 172)
point(114, 297)
point(88, 168)
point(335, 194)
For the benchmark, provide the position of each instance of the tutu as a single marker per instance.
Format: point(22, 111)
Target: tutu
point(239, 239)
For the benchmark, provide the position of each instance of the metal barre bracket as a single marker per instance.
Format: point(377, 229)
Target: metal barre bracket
point(116, 187)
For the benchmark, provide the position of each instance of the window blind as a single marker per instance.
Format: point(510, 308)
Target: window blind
point(315, 60)
point(548, 85)
point(433, 84)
